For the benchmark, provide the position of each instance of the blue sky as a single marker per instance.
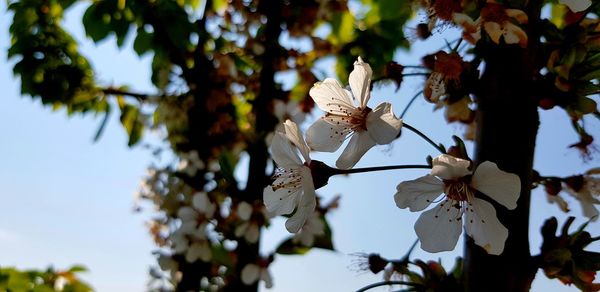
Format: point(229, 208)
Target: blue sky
point(67, 200)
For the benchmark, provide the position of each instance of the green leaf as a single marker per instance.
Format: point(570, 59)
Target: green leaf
point(342, 24)
point(143, 41)
point(103, 124)
point(289, 247)
point(227, 162)
point(130, 118)
point(219, 6)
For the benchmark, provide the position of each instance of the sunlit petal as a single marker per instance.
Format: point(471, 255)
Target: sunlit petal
point(499, 185)
point(326, 137)
point(358, 145)
point(494, 30)
point(518, 15)
point(282, 201)
point(449, 167)
point(418, 194)
point(514, 35)
point(292, 132)
point(306, 205)
point(331, 97)
point(439, 228)
point(360, 81)
point(484, 227)
point(283, 153)
point(576, 5)
point(382, 124)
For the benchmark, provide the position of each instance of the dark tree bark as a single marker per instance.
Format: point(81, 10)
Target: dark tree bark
point(507, 124)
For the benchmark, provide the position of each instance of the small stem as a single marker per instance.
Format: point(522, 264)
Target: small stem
point(387, 283)
point(379, 168)
point(410, 103)
point(416, 74)
point(438, 147)
point(114, 91)
point(413, 66)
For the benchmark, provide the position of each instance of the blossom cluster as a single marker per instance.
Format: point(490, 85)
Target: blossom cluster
point(347, 117)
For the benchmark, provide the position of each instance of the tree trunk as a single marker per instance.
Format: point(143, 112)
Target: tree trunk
point(507, 123)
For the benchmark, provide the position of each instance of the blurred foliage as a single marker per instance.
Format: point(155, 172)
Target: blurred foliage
point(564, 257)
point(13, 280)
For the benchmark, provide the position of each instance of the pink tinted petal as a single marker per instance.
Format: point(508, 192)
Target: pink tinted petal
point(359, 144)
point(439, 228)
point(418, 194)
point(326, 137)
point(484, 227)
point(382, 124)
point(449, 167)
point(360, 81)
point(503, 187)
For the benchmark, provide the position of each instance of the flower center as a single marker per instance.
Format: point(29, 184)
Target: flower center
point(459, 190)
point(358, 119)
point(287, 178)
point(494, 12)
point(444, 9)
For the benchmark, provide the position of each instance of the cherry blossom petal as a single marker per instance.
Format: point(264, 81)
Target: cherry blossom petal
point(244, 211)
point(250, 274)
point(501, 186)
point(283, 152)
point(282, 201)
point(200, 201)
point(187, 213)
point(514, 35)
point(306, 205)
point(589, 210)
point(494, 30)
point(265, 275)
point(198, 250)
point(331, 97)
point(382, 124)
point(252, 234)
point(518, 15)
point(587, 202)
point(484, 227)
point(576, 5)
point(326, 137)
point(438, 229)
point(419, 193)
point(292, 132)
point(359, 144)
point(449, 167)
point(360, 81)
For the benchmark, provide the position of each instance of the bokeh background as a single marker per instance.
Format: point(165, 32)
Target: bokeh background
point(65, 199)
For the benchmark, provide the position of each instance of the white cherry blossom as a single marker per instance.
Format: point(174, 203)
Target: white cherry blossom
point(248, 229)
point(587, 195)
point(440, 227)
point(576, 5)
point(312, 228)
point(293, 187)
point(364, 126)
point(252, 273)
